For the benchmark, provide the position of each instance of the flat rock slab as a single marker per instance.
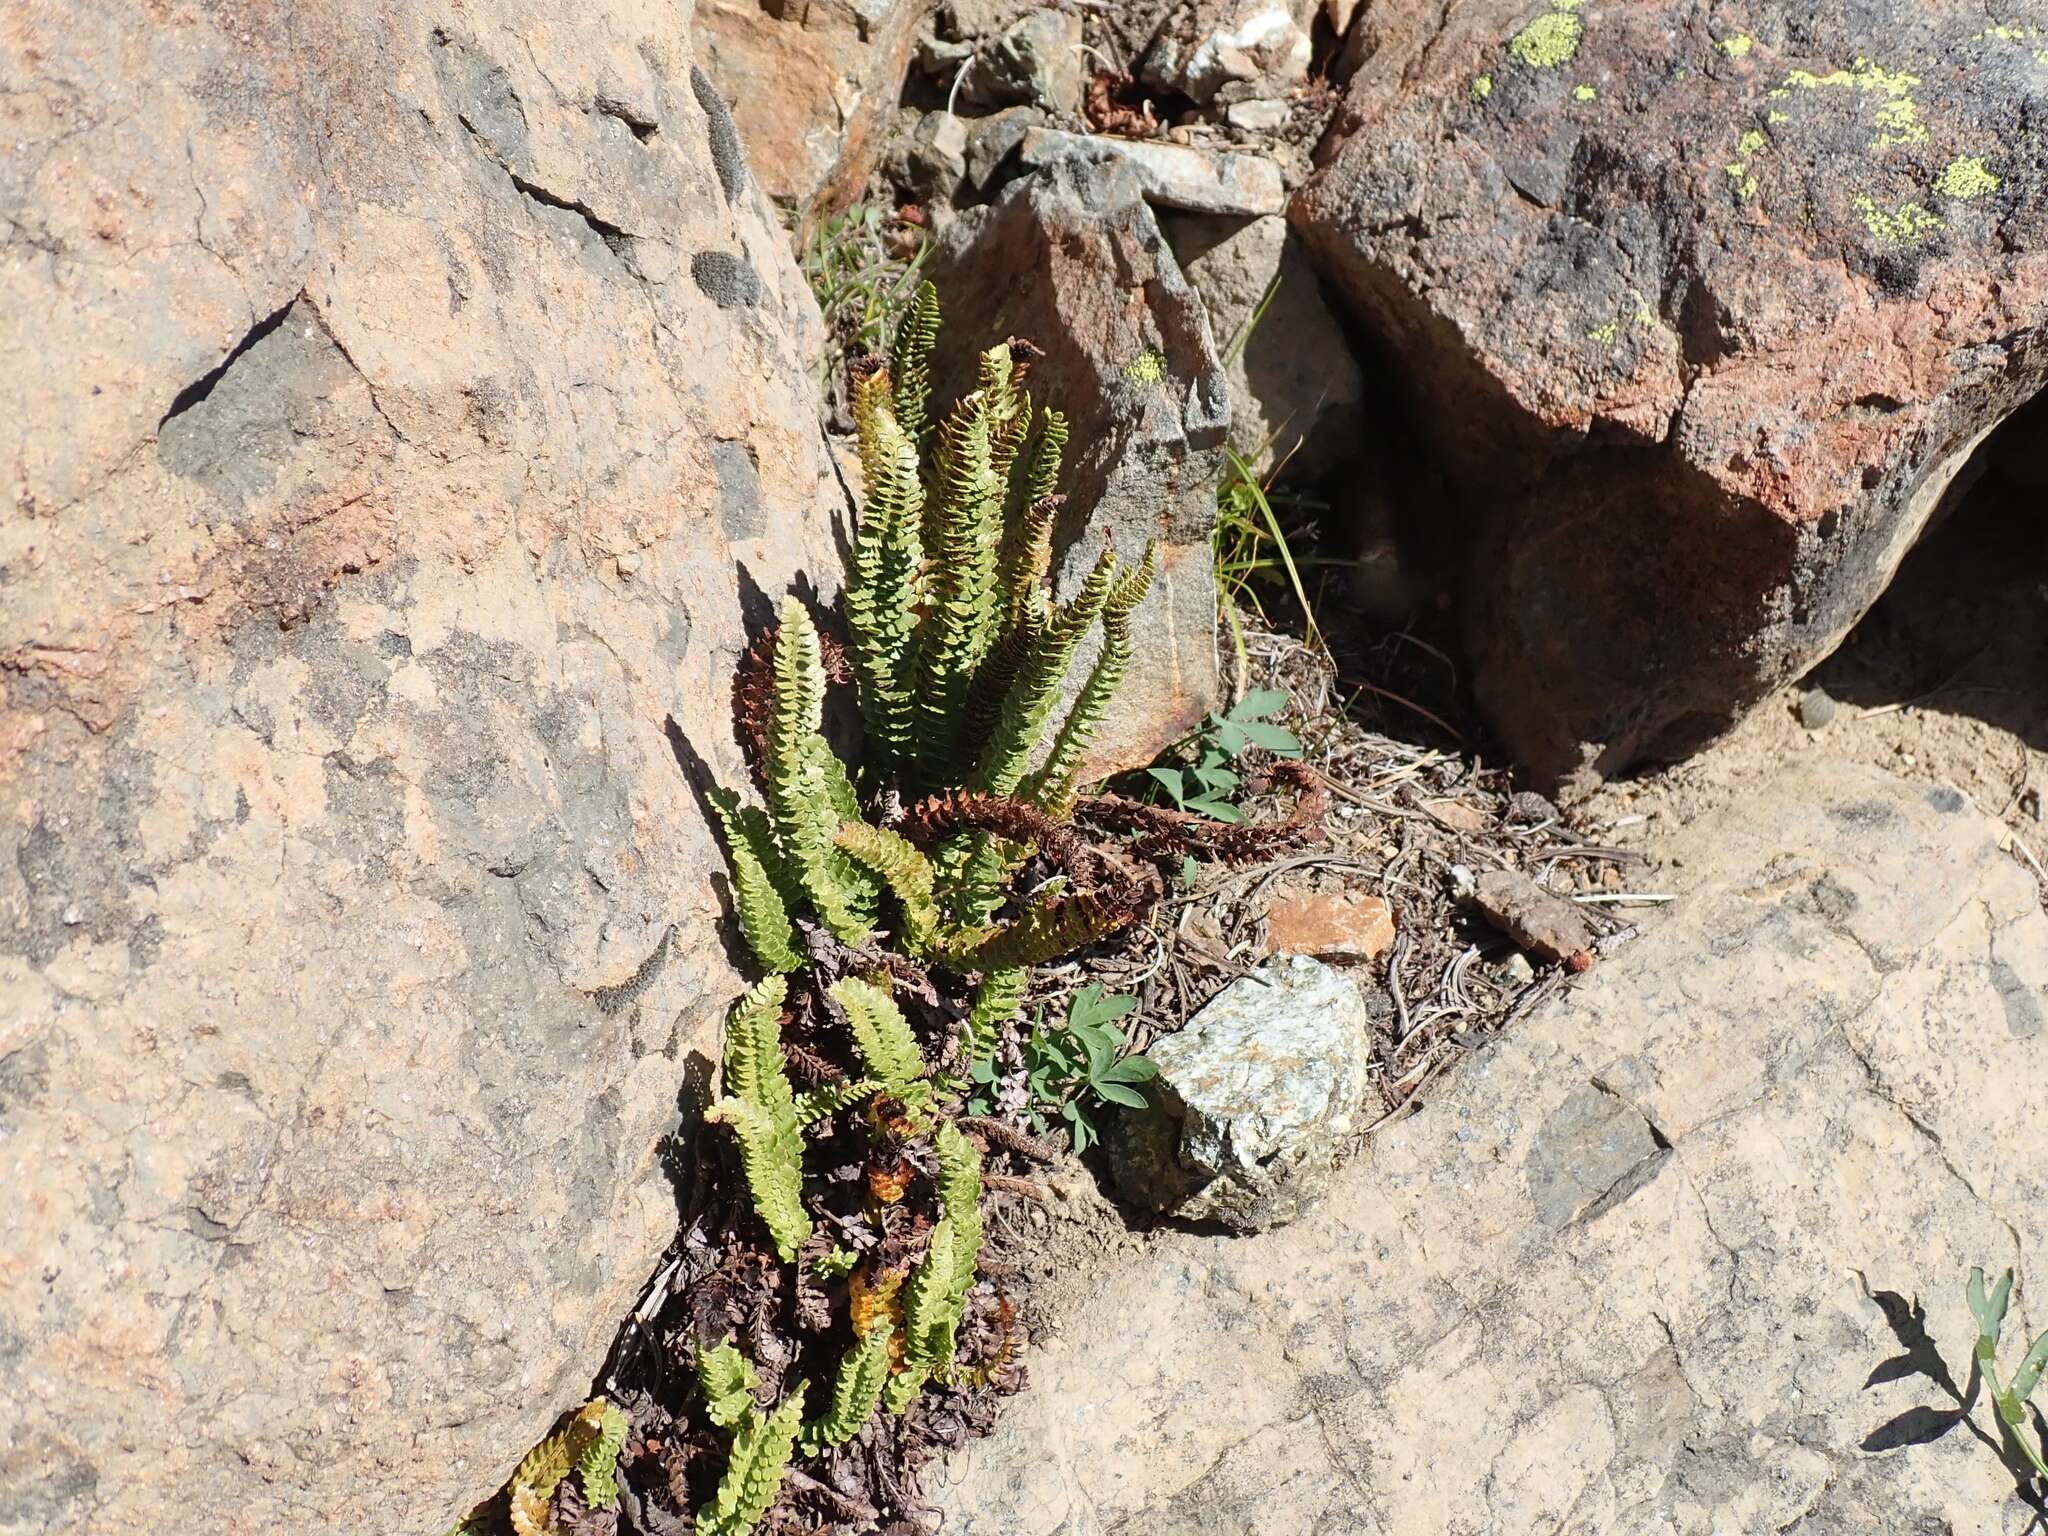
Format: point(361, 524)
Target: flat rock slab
point(1704, 307)
point(1637, 1269)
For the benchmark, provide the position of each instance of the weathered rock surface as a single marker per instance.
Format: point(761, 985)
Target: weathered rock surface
point(1703, 311)
point(1072, 260)
point(1034, 62)
point(1258, 1096)
point(1296, 393)
point(1198, 180)
point(391, 395)
point(1659, 1260)
point(1331, 925)
point(1201, 46)
point(813, 87)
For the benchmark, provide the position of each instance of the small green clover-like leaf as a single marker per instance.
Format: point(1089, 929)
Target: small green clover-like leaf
point(1276, 739)
point(1989, 1311)
point(1118, 1093)
point(1256, 705)
point(1190, 871)
point(2029, 1374)
point(1089, 1006)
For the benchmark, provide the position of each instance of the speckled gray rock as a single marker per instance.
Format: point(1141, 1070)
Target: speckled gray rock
point(398, 401)
point(1195, 179)
point(1257, 1098)
point(1682, 1253)
point(1072, 260)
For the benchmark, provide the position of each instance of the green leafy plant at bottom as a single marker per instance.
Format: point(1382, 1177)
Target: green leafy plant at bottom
point(2009, 1399)
point(1075, 1070)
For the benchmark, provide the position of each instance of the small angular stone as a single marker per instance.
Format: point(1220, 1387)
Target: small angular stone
point(1257, 1097)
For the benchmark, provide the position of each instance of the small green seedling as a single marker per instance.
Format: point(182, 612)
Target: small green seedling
point(1206, 788)
point(1076, 1069)
point(2011, 1401)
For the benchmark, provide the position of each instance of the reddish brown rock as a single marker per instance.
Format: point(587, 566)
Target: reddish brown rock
point(1346, 925)
point(1702, 310)
point(813, 87)
point(399, 401)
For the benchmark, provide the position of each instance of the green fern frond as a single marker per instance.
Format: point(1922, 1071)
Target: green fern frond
point(906, 872)
point(1047, 931)
point(728, 1382)
point(960, 610)
point(772, 1157)
point(598, 1467)
point(760, 1454)
point(761, 1108)
point(1035, 694)
point(931, 1312)
point(1028, 526)
point(763, 912)
point(959, 1183)
point(823, 1103)
point(996, 1002)
point(803, 779)
point(1056, 785)
point(883, 1036)
point(910, 364)
point(881, 597)
point(753, 1048)
point(863, 1372)
point(903, 1387)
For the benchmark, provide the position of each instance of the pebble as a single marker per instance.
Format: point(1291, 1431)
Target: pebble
point(1257, 116)
point(1816, 708)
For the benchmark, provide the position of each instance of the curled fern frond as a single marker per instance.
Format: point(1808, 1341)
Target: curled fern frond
point(863, 1372)
point(1035, 694)
point(761, 1448)
point(942, 816)
point(763, 909)
point(1056, 784)
point(896, 861)
point(883, 1036)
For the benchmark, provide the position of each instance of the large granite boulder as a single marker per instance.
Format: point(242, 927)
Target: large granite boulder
point(1684, 1252)
point(1703, 311)
point(391, 394)
point(1072, 260)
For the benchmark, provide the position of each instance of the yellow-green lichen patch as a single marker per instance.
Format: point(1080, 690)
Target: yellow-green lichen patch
point(1746, 149)
point(1605, 334)
point(1898, 115)
point(1897, 228)
point(1550, 41)
point(1738, 46)
point(1584, 93)
point(1965, 178)
point(1482, 88)
point(1148, 367)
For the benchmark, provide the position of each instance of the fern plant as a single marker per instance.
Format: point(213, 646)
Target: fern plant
point(849, 877)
